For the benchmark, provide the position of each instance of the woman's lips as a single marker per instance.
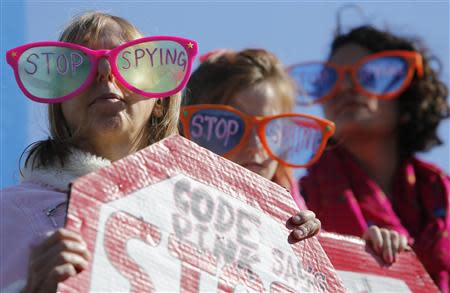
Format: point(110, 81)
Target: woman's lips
point(350, 105)
point(255, 167)
point(107, 99)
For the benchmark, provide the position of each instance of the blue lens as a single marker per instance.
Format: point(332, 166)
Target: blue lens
point(383, 75)
point(313, 80)
point(294, 140)
point(218, 130)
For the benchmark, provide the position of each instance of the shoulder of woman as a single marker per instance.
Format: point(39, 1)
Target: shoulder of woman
point(26, 202)
point(58, 176)
point(23, 223)
point(24, 210)
point(32, 191)
point(430, 168)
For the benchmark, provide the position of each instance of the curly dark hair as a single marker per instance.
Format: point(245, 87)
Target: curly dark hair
point(424, 102)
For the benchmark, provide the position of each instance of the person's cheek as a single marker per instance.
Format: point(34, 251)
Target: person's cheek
point(68, 108)
point(271, 169)
point(236, 157)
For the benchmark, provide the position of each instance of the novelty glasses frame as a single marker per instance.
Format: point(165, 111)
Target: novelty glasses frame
point(13, 57)
point(413, 58)
point(259, 122)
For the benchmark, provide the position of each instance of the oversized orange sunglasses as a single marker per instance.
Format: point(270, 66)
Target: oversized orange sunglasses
point(382, 75)
point(294, 140)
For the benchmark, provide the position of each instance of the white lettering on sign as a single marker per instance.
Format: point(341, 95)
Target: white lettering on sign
point(367, 283)
point(182, 235)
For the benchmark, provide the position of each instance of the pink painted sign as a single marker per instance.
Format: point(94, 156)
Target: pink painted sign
point(364, 272)
point(176, 217)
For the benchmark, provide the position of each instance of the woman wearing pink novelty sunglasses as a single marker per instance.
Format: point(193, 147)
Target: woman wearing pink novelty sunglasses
point(387, 103)
point(109, 96)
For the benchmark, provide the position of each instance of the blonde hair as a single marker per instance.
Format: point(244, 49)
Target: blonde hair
point(225, 73)
point(221, 76)
point(85, 29)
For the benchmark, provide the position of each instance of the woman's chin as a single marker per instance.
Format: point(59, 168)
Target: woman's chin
point(107, 125)
point(264, 171)
point(353, 120)
point(256, 169)
point(355, 129)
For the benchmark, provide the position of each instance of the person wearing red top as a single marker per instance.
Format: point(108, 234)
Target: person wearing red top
point(387, 103)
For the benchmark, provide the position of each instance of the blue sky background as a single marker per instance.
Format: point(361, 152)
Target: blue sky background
point(295, 31)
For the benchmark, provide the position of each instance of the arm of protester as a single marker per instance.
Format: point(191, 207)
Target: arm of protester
point(432, 247)
point(432, 244)
point(303, 225)
point(60, 256)
point(386, 243)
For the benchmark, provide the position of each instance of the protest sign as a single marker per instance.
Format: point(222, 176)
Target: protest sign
point(176, 217)
point(363, 271)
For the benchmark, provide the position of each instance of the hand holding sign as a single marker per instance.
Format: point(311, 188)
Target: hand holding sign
point(386, 242)
point(60, 256)
point(363, 271)
point(303, 225)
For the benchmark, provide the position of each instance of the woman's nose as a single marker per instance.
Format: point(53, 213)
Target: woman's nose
point(347, 82)
point(254, 144)
point(104, 71)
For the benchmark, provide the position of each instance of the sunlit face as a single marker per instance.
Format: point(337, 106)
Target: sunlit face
point(106, 111)
point(353, 113)
point(261, 100)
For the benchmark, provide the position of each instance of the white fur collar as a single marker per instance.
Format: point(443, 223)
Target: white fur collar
point(79, 163)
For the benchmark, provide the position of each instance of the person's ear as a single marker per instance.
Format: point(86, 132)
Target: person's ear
point(158, 109)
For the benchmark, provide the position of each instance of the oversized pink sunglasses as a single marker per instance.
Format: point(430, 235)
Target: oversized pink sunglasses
point(52, 72)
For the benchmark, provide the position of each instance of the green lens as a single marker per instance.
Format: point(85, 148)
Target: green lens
point(153, 67)
point(52, 72)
